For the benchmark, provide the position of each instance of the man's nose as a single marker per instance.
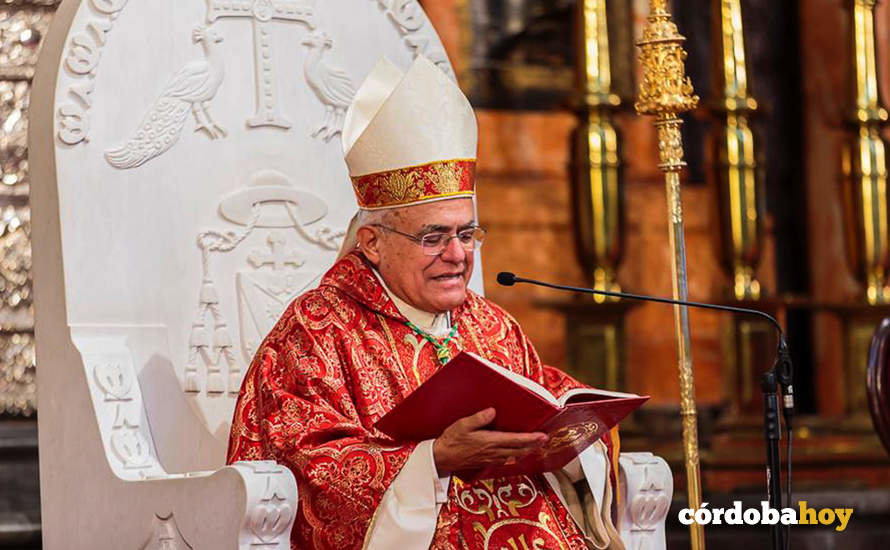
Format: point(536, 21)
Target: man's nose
point(454, 252)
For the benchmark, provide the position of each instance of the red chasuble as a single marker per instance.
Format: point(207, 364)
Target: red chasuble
point(341, 357)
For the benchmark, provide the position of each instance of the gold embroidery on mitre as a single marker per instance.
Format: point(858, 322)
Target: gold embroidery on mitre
point(448, 177)
point(400, 186)
point(412, 184)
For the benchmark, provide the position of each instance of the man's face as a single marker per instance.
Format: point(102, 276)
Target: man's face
point(430, 283)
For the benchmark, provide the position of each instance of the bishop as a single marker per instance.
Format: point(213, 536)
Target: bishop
point(384, 318)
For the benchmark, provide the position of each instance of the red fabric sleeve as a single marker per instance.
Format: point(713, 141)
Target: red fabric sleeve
point(295, 408)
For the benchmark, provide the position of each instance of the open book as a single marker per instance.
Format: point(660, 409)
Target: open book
point(468, 384)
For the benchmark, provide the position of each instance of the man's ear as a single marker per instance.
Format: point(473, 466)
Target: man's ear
point(369, 244)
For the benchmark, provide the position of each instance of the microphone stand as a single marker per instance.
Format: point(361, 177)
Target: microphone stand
point(780, 375)
point(772, 433)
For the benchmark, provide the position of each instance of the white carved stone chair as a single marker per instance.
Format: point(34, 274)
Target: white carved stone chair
point(187, 183)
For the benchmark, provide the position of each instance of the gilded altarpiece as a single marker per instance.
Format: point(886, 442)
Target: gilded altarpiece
point(23, 24)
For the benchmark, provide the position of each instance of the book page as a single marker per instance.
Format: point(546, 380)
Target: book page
point(526, 383)
point(590, 394)
point(583, 394)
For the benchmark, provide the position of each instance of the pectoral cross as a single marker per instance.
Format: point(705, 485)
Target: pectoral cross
point(263, 12)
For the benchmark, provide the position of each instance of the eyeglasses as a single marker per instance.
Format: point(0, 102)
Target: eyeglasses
point(436, 242)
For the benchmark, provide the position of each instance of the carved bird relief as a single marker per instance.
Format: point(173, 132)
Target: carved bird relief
point(332, 85)
point(190, 89)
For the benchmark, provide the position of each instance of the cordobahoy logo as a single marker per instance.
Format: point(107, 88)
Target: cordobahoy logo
point(765, 515)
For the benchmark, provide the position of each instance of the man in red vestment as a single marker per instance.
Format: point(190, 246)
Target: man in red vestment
point(383, 319)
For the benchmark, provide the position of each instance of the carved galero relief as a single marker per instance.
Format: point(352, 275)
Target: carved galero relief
point(270, 280)
point(272, 276)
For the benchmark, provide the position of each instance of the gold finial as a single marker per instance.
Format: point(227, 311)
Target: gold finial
point(664, 88)
point(658, 7)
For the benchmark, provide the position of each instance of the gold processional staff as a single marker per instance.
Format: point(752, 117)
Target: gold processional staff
point(665, 92)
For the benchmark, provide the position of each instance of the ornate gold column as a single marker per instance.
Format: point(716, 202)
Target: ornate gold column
point(865, 166)
point(597, 161)
point(666, 91)
point(750, 343)
point(740, 192)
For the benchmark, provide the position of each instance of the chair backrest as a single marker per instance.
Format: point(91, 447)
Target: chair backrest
point(878, 381)
point(191, 184)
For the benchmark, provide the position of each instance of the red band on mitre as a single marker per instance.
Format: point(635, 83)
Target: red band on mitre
point(414, 184)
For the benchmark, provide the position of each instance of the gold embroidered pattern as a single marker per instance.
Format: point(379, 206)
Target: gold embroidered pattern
point(450, 178)
point(496, 499)
point(566, 437)
point(519, 541)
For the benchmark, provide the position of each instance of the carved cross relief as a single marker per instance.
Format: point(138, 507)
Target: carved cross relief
point(264, 12)
point(279, 257)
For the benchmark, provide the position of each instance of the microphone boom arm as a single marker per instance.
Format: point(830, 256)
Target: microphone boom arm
point(509, 279)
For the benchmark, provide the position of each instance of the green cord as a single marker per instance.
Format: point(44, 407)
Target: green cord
point(442, 351)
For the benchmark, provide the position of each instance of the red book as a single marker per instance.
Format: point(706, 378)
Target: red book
point(468, 384)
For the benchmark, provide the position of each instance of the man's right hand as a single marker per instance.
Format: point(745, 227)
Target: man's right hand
point(466, 445)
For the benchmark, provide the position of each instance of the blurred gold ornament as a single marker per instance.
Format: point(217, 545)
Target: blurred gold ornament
point(596, 167)
point(739, 182)
point(865, 166)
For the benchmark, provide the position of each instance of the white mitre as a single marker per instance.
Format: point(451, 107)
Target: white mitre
point(418, 125)
point(409, 138)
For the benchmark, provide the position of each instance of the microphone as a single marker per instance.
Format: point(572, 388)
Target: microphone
point(505, 278)
point(783, 367)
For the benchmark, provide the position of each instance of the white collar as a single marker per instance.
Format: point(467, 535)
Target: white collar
point(435, 324)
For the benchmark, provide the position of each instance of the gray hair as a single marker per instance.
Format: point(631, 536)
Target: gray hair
point(362, 219)
point(372, 217)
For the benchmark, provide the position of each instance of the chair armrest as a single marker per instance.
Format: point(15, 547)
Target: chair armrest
point(647, 487)
point(247, 505)
point(99, 435)
point(271, 505)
